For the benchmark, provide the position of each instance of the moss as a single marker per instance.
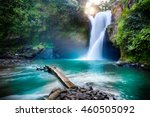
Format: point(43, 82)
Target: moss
point(133, 36)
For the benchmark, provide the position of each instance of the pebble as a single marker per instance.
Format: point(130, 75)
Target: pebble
point(82, 93)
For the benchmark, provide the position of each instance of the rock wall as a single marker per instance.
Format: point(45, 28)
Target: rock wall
point(131, 2)
point(117, 9)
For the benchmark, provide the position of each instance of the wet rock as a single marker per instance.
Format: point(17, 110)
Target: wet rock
point(82, 93)
point(94, 92)
point(95, 98)
point(58, 98)
point(90, 88)
point(55, 89)
point(89, 93)
point(133, 64)
point(121, 63)
point(101, 96)
point(54, 95)
point(12, 62)
point(81, 96)
point(62, 95)
point(83, 90)
point(68, 97)
point(142, 65)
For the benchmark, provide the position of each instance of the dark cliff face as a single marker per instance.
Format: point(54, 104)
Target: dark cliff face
point(130, 3)
point(117, 8)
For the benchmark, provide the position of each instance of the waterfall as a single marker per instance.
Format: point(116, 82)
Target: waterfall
point(99, 24)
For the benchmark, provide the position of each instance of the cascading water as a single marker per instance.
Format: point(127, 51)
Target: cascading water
point(99, 24)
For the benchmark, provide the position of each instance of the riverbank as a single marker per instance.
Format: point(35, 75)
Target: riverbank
point(133, 65)
point(14, 62)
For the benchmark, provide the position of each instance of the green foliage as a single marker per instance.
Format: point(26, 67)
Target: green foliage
point(133, 36)
point(18, 20)
point(42, 46)
point(31, 22)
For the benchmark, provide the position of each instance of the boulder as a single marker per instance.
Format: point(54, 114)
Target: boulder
point(79, 93)
point(46, 53)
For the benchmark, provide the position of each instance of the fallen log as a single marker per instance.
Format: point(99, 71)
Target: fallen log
point(62, 78)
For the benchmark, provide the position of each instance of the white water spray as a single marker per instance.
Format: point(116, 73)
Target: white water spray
point(99, 24)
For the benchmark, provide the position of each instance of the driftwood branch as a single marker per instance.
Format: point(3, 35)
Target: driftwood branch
point(56, 71)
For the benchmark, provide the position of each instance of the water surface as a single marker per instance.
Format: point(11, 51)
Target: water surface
point(24, 82)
